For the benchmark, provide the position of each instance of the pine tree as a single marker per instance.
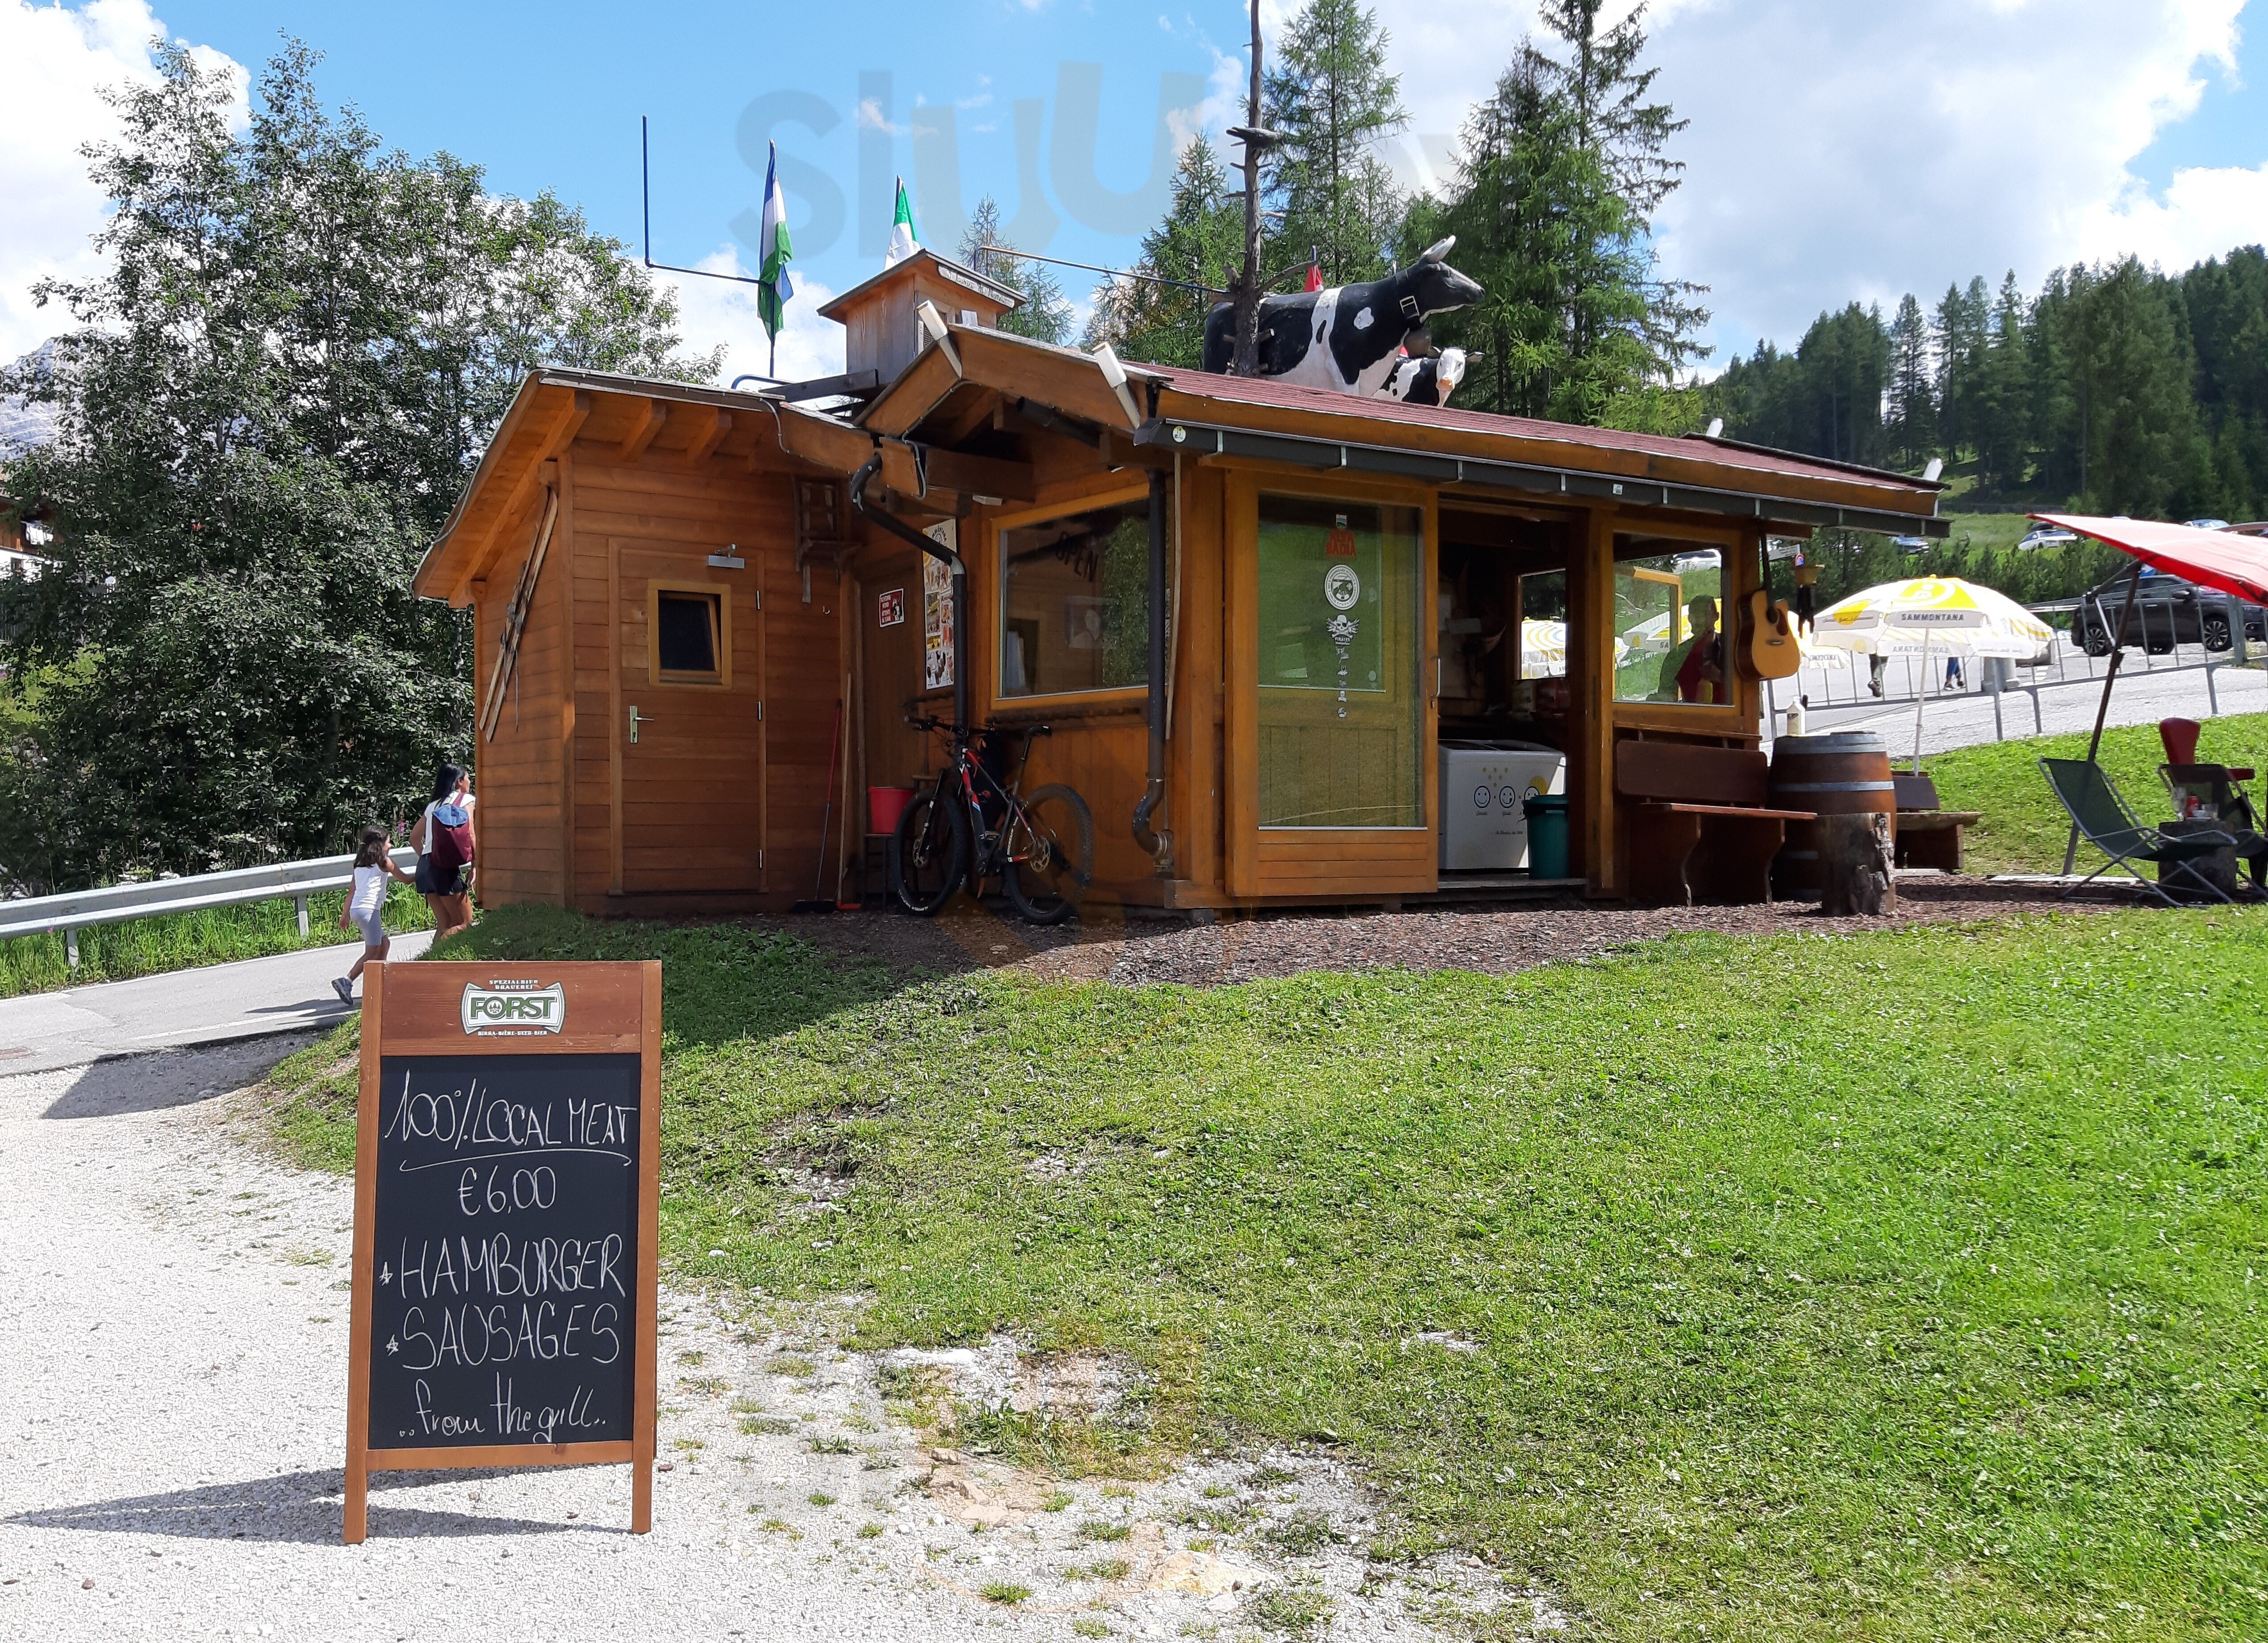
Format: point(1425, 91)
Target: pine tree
point(1957, 337)
point(1330, 95)
point(1602, 79)
point(1912, 384)
point(1561, 164)
point(1045, 313)
point(1200, 241)
point(2001, 428)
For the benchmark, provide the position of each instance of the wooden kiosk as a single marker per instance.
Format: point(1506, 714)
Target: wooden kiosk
point(1251, 613)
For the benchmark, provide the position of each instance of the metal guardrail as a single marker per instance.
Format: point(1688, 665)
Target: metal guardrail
point(114, 904)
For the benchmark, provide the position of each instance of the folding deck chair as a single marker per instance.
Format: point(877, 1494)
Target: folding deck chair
point(2105, 819)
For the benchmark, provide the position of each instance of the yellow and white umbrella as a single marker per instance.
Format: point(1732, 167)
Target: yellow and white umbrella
point(1943, 614)
point(1543, 647)
point(1940, 614)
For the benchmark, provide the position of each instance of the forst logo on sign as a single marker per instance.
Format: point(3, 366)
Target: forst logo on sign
point(505, 1008)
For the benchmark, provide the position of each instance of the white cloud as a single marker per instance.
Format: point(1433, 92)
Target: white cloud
point(2203, 211)
point(1843, 150)
point(60, 59)
point(714, 312)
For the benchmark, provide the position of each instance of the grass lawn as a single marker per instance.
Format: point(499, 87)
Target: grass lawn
point(1994, 531)
point(1902, 1287)
point(182, 940)
point(2024, 828)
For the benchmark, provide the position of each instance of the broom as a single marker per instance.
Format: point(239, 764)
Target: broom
point(818, 903)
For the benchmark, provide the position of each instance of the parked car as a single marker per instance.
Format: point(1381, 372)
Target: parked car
point(2171, 611)
point(2044, 536)
point(2206, 524)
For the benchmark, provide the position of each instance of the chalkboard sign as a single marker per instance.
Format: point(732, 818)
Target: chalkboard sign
point(506, 1211)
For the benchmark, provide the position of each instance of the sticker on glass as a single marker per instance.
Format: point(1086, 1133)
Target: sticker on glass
point(1342, 587)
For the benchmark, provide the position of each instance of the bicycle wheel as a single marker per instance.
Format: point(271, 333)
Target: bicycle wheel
point(929, 854)
point(1049, 854)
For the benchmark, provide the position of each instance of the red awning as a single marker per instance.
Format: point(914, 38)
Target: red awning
point(2234, 564)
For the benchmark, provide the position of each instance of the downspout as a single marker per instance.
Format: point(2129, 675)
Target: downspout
point(952, 563)
point(1159, 844)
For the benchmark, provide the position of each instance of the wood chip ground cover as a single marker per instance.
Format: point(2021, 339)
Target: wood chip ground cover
point(1900, 1286)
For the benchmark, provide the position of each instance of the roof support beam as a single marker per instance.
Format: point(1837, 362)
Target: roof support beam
point(704, 443)
point(656, 413)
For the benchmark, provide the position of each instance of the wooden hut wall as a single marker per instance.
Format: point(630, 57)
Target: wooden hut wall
point(717, 806)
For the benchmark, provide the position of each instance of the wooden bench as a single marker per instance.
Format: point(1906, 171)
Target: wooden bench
point(1700, 831)
point(1926, 835)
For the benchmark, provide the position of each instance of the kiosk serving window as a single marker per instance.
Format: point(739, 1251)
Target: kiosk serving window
point(1075, 602)
point(1341, 708)
point(1670, 627)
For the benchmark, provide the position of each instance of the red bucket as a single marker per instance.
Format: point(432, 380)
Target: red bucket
point(885, 805)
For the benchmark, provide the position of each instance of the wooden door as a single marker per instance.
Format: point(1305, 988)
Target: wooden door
point(689, 734)
point(1332, 708)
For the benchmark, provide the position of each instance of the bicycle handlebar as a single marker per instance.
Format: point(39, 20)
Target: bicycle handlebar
point(930, 722)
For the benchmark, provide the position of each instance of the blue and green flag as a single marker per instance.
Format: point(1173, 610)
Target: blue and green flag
point(775, 253)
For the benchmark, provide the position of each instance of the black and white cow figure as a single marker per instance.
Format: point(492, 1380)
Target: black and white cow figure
point(1416, 381)
point(1347, 338)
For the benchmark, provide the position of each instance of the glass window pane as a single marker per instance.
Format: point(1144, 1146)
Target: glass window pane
point(1669, 641)
point(685, 640)
point(1342, 711)
point(1543, 625)
point(1075, 603)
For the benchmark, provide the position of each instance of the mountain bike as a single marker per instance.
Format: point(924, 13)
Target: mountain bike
point(971, 825)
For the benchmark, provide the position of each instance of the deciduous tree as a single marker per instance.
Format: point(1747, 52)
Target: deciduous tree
point(271, 401)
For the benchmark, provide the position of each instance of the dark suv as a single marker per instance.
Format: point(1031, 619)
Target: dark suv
point(2171, 611)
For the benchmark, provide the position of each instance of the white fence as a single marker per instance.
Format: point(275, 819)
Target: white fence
point(114, 904)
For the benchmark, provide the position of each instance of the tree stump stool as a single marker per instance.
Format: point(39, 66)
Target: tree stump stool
point(1855, 854)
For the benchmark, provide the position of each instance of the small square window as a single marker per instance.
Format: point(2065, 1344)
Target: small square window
point(688, 635)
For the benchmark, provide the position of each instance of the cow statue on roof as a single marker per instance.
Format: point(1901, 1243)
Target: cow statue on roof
point(1425, 381)
point(1349, 338)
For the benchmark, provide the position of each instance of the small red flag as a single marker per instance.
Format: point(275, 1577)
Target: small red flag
point(1315, 276)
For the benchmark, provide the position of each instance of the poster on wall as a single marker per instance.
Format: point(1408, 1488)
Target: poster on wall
point(890, 607)
point(938, 614)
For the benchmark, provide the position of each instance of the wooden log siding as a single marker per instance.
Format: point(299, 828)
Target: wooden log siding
point(547, 778)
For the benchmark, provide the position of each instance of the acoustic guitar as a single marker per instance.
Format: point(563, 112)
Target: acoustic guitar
point(1768, 650)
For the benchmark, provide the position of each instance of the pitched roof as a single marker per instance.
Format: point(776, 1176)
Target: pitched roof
point(1263, 391)
point(957, 273)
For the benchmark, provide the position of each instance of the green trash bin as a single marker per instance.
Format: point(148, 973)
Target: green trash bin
point(1547, 835)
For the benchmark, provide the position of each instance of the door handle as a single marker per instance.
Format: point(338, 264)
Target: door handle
point(636, 720)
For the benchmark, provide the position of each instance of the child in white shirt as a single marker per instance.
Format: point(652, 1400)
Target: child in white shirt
point(366, 904)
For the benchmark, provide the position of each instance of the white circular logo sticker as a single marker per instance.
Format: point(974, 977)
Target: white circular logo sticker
point(1342, 587)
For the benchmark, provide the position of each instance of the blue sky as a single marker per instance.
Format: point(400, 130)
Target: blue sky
point(1835, 151)
point(556, 104)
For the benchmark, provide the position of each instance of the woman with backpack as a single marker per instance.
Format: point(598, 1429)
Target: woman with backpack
point(445, 841)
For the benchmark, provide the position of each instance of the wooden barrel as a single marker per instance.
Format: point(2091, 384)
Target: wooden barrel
point(1844, 773)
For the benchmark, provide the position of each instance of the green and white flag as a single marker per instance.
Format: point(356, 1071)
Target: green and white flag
point(903, 241)
point(775, 253)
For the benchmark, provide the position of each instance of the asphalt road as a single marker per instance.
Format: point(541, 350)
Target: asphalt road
point(208, 1005)
point(2143, 695)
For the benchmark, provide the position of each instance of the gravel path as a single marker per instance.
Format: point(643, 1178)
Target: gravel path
point(1496, 938)
point(173, 1367)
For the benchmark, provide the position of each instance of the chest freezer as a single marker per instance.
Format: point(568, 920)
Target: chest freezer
point(1483, 786)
